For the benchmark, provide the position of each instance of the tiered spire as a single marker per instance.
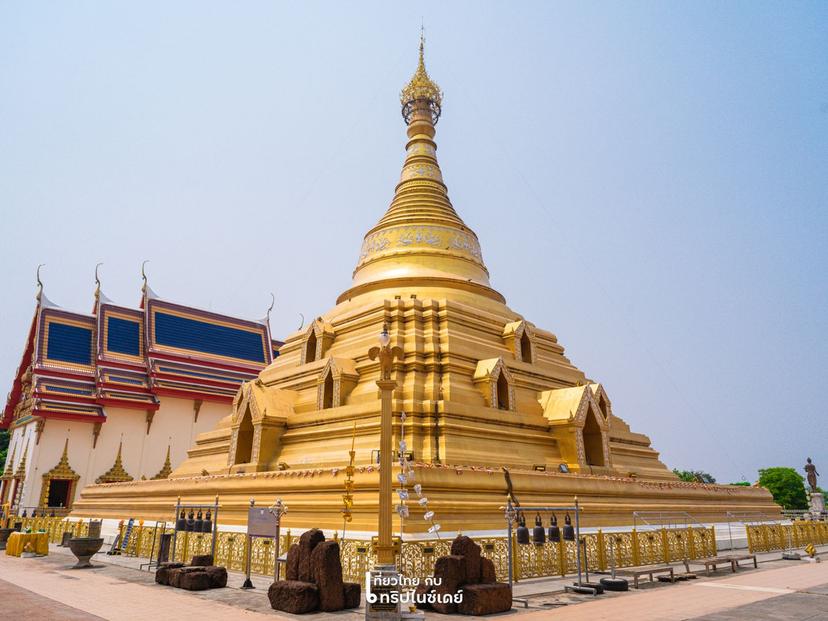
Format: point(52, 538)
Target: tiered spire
point(20, 473)
point(166, 469)
point(117, 473)
point(8, 472)
point(421, 241)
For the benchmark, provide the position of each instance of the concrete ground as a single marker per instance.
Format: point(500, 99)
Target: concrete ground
point(47, 589)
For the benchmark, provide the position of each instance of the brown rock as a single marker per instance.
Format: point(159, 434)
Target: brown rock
point(466, 547)
point(307, 542)
point(195, 581)
point(485, 599)
point(202, 560)
point(420, 593)
point(488, 575)
point(326, 572)
point(177, 574)
point(293, 596)
point(292, 564)
point(450, 571)
point(218, 576)
point(162, 574)
point(352, 592)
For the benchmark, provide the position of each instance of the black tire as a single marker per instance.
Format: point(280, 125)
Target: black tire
point(599, 590)
point(615, 584)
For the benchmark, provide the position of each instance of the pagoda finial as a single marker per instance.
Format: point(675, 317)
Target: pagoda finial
point(421, 88)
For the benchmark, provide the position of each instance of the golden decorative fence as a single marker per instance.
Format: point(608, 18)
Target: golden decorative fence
point(416, 558)
point(769, 537)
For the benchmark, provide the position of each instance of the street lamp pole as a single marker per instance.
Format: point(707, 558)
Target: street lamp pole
point(387, 385)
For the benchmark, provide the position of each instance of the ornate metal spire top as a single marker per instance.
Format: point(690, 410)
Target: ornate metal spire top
point(421, 88)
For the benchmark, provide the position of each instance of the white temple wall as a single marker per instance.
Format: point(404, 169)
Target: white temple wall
point(142, 455)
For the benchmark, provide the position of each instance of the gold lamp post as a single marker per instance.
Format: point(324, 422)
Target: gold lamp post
point(386, 355)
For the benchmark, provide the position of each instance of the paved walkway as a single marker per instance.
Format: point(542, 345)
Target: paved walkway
point(702, 598)
point(47, 589)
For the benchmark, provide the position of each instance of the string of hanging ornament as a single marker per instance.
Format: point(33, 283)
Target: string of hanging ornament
point(405, 477)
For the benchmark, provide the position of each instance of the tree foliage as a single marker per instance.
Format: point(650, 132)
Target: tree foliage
point(4, 446)
point(694, 476)
point(786, 485)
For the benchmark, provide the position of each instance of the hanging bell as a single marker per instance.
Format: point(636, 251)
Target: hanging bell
point(207, 526)
point(181, 522)
point(568, 529)
point(199, 523)
point(522, 532)
point(190, 521)
point(538, 533)
point(554, 531)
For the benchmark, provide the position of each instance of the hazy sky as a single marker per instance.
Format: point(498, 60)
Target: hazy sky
point(648, 180)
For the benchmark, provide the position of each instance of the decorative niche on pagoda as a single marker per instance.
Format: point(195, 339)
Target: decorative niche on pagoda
point(119, 394)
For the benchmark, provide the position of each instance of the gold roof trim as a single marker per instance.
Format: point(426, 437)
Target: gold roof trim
point(116, 474)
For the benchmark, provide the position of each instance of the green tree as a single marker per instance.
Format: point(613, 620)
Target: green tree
point(786, 485)
point(694, 476)
point(4, 446)
point(741, 483)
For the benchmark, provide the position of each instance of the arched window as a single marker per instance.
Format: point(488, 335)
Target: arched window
point(502, 392)
point(593, 441)
point(525, 348)
point(328, 391)
point(310, 347)
point(244, 440)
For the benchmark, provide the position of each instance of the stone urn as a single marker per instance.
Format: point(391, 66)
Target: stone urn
point(4, 536)
point(84, 548)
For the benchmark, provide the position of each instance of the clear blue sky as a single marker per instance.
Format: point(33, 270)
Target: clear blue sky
point(648, 181)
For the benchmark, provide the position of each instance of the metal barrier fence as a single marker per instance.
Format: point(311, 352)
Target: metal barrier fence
point(416, 558)
point(769, 537)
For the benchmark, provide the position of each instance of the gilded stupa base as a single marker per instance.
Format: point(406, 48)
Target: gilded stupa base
point(463, 498)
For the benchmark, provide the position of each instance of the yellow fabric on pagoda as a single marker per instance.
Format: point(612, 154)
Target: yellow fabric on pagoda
point(17, 542)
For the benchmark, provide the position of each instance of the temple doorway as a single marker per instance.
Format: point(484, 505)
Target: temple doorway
point(59, 491)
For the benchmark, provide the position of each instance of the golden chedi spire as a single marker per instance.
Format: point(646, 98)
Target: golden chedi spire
point(421, 242)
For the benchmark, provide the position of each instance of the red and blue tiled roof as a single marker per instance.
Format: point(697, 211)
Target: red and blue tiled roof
point(125, 357)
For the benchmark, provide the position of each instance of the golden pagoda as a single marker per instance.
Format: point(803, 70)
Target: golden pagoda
point(493, 406)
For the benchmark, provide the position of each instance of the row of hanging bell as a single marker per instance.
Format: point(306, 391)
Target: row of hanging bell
point(538, 532)
point(197, 524)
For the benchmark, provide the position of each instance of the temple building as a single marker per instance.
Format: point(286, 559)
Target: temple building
point(119, 394)
point(493, 405)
